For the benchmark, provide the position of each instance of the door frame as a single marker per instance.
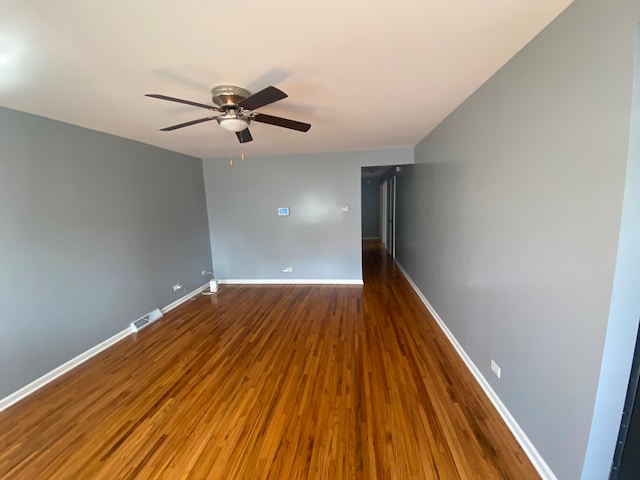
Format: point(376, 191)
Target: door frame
point(388, 209)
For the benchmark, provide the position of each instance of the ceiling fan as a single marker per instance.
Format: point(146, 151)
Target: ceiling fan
point(236, 110)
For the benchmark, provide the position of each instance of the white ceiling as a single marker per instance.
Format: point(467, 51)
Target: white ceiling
point(365, 73)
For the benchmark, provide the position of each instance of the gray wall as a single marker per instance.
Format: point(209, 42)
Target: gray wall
point(95, 230)
point(370, 199)
point(248, 239)
point(509, 222)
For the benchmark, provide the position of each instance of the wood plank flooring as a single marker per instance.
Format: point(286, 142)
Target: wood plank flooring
point(270, 382)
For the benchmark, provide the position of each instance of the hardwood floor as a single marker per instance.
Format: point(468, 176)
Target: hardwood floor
point(270, 382)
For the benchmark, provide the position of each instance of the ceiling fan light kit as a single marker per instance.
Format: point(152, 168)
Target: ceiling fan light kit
point(233, 122)
point(236, 107)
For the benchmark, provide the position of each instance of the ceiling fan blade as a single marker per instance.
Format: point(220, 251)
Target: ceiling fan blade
point(281, 122)
point(244, 136)
point(179, 100)
point(262, 98)
point(186, 124)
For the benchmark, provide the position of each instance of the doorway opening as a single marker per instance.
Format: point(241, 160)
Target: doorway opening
point(378, 201)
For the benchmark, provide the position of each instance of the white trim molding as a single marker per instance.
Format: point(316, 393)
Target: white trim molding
point(38, 383)
point(284, 281)
point(184, 298)
point(529, 448)
point(83, 357)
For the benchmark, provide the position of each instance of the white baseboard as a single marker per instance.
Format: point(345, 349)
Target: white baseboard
point(536, 459)
point(83, 357)
point(184, 298)
point(283, 281)
point(38, 383)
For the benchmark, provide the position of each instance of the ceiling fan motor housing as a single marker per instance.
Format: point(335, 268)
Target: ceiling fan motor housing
point(228, 95)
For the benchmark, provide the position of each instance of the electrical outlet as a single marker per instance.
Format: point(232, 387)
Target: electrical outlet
point(495, 368)
point(287, 270)
point(177, 287)
point(203, 273)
